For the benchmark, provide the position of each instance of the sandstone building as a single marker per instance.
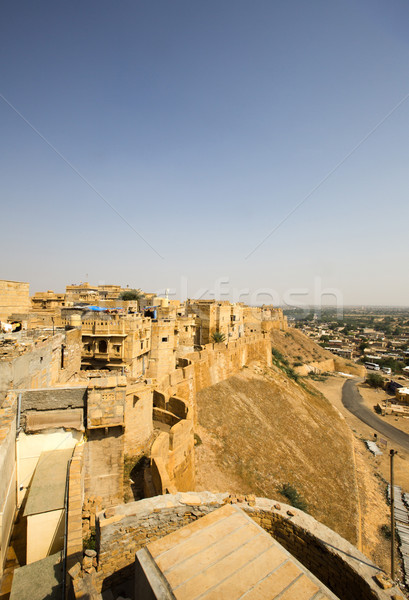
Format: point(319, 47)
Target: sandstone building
point(14, 297)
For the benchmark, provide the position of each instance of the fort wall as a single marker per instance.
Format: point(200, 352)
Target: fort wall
point(212, 364)
point(330, 365)
point(138, 418)
point(172, 459)
point(174, 403)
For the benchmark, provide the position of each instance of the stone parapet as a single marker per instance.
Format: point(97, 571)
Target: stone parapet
point(75, 502)
point(126, 528)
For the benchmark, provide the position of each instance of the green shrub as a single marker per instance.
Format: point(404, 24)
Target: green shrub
point(130, 295)
point(386, 531)
point(294, 497)
point(318, 376)
point(282, 363)
point(291, 373)
point(277, 355)
point(375, 380)
point(89, 543)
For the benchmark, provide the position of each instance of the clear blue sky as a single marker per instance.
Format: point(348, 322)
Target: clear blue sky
point(204, 124)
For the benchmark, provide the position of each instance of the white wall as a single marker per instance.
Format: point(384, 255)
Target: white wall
point(45, 534)
point(29, 448)
point(7, 489)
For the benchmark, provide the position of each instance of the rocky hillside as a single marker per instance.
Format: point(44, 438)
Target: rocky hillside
point(261, 429)
point(297, 347)
point(300, 350)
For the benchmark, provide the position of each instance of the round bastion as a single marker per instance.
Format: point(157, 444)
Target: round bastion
point(124, 529)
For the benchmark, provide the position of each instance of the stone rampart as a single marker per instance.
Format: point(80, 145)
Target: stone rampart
point(138, 418)
point(212, 364)
point(165, 416)
point(172, 459)
point(330, 365)
point(321, 366)
point(172, 401)
point(123, 530)
point(351, 368)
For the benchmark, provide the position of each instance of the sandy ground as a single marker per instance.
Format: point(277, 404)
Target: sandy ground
point(260, 430)
point(372, 472)
point(210, 476)
point(372, 397)
point(332, 389)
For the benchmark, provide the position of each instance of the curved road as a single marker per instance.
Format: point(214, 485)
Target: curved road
point(352, 400)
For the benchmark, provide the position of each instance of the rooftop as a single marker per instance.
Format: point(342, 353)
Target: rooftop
point(38, 580)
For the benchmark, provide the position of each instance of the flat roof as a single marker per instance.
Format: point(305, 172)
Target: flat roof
point(226, 555)
point(38, 580)
point(13, 281)
point(47, 490)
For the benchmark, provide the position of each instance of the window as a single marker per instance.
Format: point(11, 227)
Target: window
point(141, 345)
point(102, 346)
point(164, 339)
point(117, 349)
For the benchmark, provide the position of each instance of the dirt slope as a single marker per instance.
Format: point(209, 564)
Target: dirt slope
point(299, 350)
point(296, 346)
point(260, 430)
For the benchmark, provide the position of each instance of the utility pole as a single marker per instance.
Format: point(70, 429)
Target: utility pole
point(392, 454)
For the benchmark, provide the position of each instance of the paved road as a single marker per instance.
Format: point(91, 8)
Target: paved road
point(353, 401)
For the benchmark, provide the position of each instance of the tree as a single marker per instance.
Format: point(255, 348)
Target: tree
point(363, 345)
point(131, 295)
point(218, 337)
point(375, 380)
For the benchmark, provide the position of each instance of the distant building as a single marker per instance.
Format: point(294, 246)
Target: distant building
point(47, 300)
point(113, 341)
point(14, 297)
point(402, 394)
point(211, 317)
point(85, 293)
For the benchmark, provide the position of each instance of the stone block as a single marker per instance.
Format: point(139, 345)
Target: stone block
point(75, 571)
